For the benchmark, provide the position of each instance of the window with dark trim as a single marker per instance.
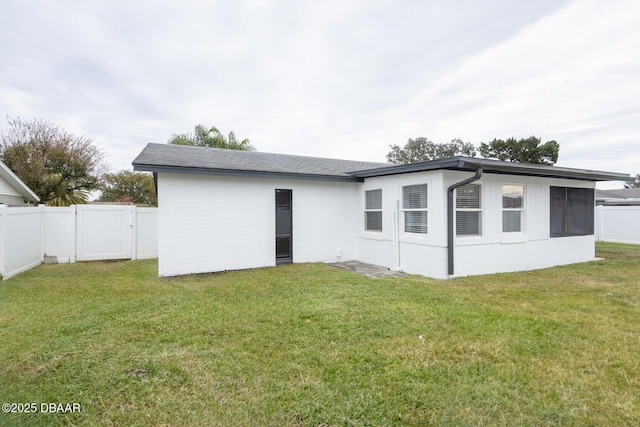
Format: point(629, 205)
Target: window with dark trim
point(373, 210)
point(572, 211)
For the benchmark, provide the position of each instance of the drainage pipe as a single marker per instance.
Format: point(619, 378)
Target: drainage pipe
point(450, 236)
point(396, 237)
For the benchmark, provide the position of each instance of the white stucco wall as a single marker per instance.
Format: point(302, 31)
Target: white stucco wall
point(492, 252)
point(497, 252)
point(214, 223)
point(532, 255)
point(392, 247)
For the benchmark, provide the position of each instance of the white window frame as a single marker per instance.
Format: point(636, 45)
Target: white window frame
point(406, 210)
point(479, 209)
point(520, 209)
point(370, 210)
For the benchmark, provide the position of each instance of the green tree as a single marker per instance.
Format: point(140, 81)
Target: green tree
point(633, 183)
point(61, 168)
point(421, 149)
point(129, 187)
point(526, 150)
point(212, 138)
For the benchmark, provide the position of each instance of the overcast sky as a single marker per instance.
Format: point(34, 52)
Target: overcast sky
point(342, 79)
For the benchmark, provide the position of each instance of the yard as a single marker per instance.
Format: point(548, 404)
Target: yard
point(311, 345)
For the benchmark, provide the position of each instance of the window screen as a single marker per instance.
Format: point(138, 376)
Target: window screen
point(415, 222)
point(558, 208)
point(373, 199)
point(580, 211)
point(512, 196)
point(373, 210)
point(283, 199)
point(414, 197)
point(468, 197)
point(284, 218)
point(512, 208)
point(467, 223)
point(414, 206)
point(468, 210)
point(572, 211)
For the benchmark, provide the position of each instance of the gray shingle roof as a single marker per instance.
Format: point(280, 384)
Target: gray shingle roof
point(186, 159)
point(179, 158)
point(622, 193)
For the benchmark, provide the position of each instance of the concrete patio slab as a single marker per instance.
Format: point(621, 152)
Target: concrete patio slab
point(366, 269)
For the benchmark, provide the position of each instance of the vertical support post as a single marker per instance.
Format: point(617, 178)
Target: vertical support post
point(75, 232)
point(396, 236)
point(3, 227)
point(73, 219)
point(41, 208)
point(134, 231)
point(598, 219)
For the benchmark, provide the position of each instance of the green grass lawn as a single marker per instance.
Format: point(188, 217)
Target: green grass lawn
point(311, 345)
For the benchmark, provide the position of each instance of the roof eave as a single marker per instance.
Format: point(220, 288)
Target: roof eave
point(489, 166)
point(554, 172)
point(17, 184)
point(140, 167)
point(453, 163)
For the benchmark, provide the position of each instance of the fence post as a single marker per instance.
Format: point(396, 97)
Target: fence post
point(598, 216)
point(601, 222)
point(134, 232)
point(41, 208)
point(73, 224)
point(3, 226)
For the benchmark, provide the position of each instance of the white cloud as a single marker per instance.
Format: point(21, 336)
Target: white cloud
point(573, 77)
point(336, 78)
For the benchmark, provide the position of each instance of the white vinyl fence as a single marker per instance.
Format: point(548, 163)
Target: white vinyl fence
point(21, 239)
point(75, 233)
point(619, 224)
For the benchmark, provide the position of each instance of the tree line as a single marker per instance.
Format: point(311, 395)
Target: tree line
point(64, 169)
point(525, 150)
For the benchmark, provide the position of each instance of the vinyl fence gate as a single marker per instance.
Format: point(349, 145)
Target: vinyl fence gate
point(104, 232)
point(75, 233)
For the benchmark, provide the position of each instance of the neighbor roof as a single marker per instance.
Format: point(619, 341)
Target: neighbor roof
point(15, 182)
point(187, 159)
point(621, 193)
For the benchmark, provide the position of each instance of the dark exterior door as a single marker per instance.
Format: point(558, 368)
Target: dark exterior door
point(284, 243)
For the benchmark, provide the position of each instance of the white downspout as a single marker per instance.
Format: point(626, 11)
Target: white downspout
point(396, 240)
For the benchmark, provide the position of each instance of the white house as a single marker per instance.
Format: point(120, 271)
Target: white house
point(12, 190)
point(226, 209)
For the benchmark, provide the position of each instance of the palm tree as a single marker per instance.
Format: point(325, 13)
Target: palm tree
point(212, 137)
point(77, 197)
